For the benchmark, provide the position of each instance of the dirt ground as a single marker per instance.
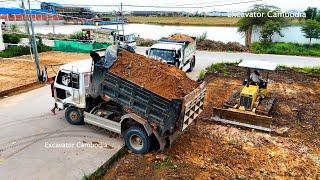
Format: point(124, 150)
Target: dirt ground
point(212, 151)
point(161, 78)
point(21, 70)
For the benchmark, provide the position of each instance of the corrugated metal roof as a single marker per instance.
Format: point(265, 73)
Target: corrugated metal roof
point(21, 11)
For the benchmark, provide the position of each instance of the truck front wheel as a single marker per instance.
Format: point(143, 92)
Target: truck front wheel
point(74, 116)
point(137, 140)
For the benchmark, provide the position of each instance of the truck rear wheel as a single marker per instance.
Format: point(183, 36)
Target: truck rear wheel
point(74, 116)
point(137, 140)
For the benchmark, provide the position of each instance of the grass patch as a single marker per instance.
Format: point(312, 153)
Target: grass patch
point(286, 49)
point(165, 163)
point(305, 70)
point(189, 21)
point(14, 51)
point(221, 67)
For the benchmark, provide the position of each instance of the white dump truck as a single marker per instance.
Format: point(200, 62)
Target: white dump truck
point(180, 51)
point(89, 93)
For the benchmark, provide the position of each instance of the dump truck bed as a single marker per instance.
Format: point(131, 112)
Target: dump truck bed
point(164, 114)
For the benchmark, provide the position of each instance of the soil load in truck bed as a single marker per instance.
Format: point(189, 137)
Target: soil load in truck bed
point(160, 78)
point(181, 37)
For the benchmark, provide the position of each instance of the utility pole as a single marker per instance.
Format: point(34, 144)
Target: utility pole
point(52, 19)
point(34, 46)
point(121, 15)
point(25, 17)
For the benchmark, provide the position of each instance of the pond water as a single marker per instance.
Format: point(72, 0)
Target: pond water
point(150, 31)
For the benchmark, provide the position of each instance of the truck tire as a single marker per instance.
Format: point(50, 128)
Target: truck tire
point(74, 116)
point(137, 140)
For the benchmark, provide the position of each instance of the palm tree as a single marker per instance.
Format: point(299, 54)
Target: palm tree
point(258, 15)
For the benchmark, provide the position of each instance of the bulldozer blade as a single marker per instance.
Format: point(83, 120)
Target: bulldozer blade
point(242, 119)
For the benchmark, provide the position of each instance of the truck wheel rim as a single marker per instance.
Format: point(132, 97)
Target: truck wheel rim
point(136, 142)
point(74, 116)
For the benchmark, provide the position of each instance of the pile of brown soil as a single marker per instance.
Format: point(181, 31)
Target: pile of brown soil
point(210, 45)
point(181, 37)
point(160, 78)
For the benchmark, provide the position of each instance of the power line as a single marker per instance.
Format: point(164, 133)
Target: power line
point(161, 6)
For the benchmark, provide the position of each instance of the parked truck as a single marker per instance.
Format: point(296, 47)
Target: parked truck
point(180, 51)
point(91, 94)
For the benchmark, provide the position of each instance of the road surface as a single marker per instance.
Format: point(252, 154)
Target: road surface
point(206, 58)
point(30, 134)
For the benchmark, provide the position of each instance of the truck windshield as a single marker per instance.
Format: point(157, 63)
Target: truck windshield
point(167, 55)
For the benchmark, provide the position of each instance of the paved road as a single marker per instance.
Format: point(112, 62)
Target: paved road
point(28, 130)
point(206, 58)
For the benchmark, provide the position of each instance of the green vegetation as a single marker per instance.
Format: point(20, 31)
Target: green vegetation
point(305, 70)
point(11, 38)
point(14, 51)
point(221, 67)
point(202, 37)
point(187, 21)
point(269, 29)
point(286, 49)
point(145, 42)
point(311, 30)
point(165, 163)
point(270, 24)
point(202, 75)
point(76, 35)
point(14, 28)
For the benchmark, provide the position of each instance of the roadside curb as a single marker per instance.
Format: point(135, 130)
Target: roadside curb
point(23, 88)
point(106, 166)
point(19, 88)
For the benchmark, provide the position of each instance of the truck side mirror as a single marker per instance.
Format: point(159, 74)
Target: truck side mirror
point(146, 52)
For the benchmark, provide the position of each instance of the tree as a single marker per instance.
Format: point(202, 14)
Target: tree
point(311, 30)
point(269, 29)
point(311, 13)
point(247, 23)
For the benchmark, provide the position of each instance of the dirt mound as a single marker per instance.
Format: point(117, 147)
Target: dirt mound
point(210, 45)
point(181, 37)
point(160, 78)
point(213, 151)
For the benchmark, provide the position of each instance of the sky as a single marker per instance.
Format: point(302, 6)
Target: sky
point(210, 5)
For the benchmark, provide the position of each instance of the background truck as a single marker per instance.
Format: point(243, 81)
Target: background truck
point(178, 50)
point(92, 94)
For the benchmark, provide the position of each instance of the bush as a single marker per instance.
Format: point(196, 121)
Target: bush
point(202, 37)
point(15, 51)
point(286, 49)
point(76, 35)
point(145, 42)
point(11, 38)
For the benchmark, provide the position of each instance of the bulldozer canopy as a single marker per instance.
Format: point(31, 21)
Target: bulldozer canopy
point(258, 64)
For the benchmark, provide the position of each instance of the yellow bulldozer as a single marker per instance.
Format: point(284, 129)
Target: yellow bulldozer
point(250, 105)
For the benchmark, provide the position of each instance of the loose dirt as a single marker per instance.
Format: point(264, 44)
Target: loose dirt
point(160, 78)
point(181, 37)
point(18, 71)
point(213, 151)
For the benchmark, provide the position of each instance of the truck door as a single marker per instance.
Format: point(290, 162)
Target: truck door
point(67, 87)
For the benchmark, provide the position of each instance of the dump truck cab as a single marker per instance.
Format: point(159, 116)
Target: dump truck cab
point(72, 84)
point(178, 53)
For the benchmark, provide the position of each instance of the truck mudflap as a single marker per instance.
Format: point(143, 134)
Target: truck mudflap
point(193, 105)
